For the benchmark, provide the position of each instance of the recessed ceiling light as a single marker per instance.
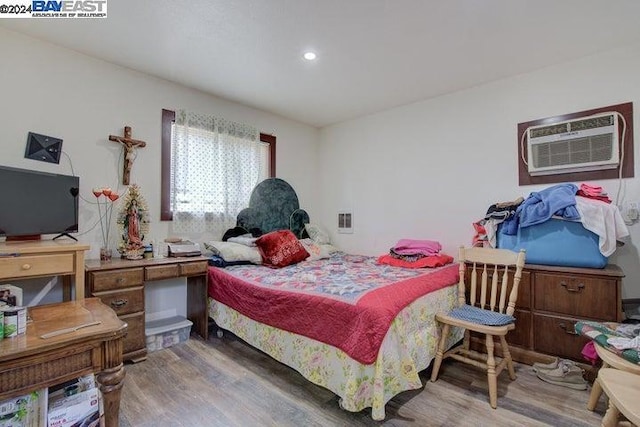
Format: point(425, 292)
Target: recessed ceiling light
point(309, 56)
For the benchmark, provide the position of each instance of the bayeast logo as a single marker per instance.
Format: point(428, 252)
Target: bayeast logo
point(69, 9)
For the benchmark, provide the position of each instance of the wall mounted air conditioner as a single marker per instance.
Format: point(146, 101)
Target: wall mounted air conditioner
point(578, 145)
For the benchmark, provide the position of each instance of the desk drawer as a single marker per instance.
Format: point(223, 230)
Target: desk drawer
point(124, 302)
point(577, 296)
point(192, 268)
point(158, 272)
point(36, 265)
point(116, 279)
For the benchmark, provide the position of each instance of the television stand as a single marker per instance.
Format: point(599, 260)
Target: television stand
point(65, 234)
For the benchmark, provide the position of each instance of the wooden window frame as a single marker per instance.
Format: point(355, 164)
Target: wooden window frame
point(625, 109)
point(168, 118)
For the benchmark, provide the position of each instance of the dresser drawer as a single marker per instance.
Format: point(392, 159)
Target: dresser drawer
point(116, 279)
point(557, 336)
point(36, 265)
point(135, 339)
point(191, 268)
point(158, 272)
point(577, 296)
point(124, 302)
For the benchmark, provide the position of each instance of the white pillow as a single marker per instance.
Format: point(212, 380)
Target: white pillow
point(317, 234)
point(330, 248)
point(245, 239)
point(315, 250)
point(231, 252)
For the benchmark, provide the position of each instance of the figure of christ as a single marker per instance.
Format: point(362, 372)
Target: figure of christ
point(129, 145)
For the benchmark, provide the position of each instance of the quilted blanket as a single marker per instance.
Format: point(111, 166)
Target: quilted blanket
point(600, 333)
point(347, 301)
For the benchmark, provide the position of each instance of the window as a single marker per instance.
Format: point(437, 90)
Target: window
point(209, 168)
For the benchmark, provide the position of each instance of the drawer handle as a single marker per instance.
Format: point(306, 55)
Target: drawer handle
point(119, 303)
point(26, 266)
point(570, 289)
point(570, 331)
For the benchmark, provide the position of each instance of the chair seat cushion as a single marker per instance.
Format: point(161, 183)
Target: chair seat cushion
point(481, 316)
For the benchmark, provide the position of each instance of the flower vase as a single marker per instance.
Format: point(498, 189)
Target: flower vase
point(105, 254)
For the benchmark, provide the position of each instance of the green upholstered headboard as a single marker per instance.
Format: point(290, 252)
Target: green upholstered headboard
point(273, 206)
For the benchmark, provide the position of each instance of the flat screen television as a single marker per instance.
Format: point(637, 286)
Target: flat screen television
point(35, 203)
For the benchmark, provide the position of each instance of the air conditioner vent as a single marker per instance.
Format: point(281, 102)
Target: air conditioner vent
point(574, 146)
point(549, 130)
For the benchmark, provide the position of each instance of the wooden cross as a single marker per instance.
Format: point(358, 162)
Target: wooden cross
point(130, 145)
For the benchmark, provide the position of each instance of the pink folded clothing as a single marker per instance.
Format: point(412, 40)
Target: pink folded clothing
point(592, 190)
point(413, 247)
point(425, 262)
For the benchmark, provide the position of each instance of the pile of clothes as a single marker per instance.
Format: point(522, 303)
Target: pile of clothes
point(587, 204)
point(412, 253)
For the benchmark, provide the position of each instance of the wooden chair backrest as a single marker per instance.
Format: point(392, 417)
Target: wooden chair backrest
point(492, 268)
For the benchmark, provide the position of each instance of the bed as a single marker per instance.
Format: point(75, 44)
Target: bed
point(362, 330)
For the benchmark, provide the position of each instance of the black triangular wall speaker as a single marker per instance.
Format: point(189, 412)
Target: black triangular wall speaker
point(44, 148)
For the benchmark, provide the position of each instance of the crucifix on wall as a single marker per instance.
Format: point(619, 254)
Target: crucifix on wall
point(130, 145)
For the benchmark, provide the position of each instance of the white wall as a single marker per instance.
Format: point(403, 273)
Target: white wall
point(58, 92)
point(54, 91)
point(430, 169)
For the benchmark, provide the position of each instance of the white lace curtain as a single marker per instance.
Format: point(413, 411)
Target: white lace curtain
point(216, 164)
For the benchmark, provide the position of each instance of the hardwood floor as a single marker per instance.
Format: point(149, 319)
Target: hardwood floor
point(224, 382)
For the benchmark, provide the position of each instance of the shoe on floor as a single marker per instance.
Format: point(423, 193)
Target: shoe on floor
point(553, 365)
point(546, 366)
point(566, 375)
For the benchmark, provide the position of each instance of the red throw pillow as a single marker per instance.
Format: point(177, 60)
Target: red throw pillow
point(281, 248)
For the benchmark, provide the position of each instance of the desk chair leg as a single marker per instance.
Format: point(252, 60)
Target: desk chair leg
point(444, 333)
point(610, 418)
point(492, 378)
point(596, 391)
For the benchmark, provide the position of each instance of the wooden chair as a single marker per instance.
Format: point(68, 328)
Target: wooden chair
point(623, 390)
point(493, 318)
point(609, 360)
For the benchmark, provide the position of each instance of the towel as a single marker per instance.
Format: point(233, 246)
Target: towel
point(557, 200)
point(604, 220)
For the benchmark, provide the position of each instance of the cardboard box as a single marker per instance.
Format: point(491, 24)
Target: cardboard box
point(24, 411)
point(71, 387)
point(82, 409)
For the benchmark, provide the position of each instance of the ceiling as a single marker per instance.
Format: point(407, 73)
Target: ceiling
point(372, 54)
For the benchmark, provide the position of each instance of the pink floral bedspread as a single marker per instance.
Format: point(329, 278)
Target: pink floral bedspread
point(347, 301)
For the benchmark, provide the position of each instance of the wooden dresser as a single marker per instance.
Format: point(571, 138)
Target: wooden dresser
point(550, 302)
point(120, 284)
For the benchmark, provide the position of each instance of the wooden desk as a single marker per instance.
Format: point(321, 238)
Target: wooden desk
point(120, 283)
point(29, 362)
point(42, 258)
